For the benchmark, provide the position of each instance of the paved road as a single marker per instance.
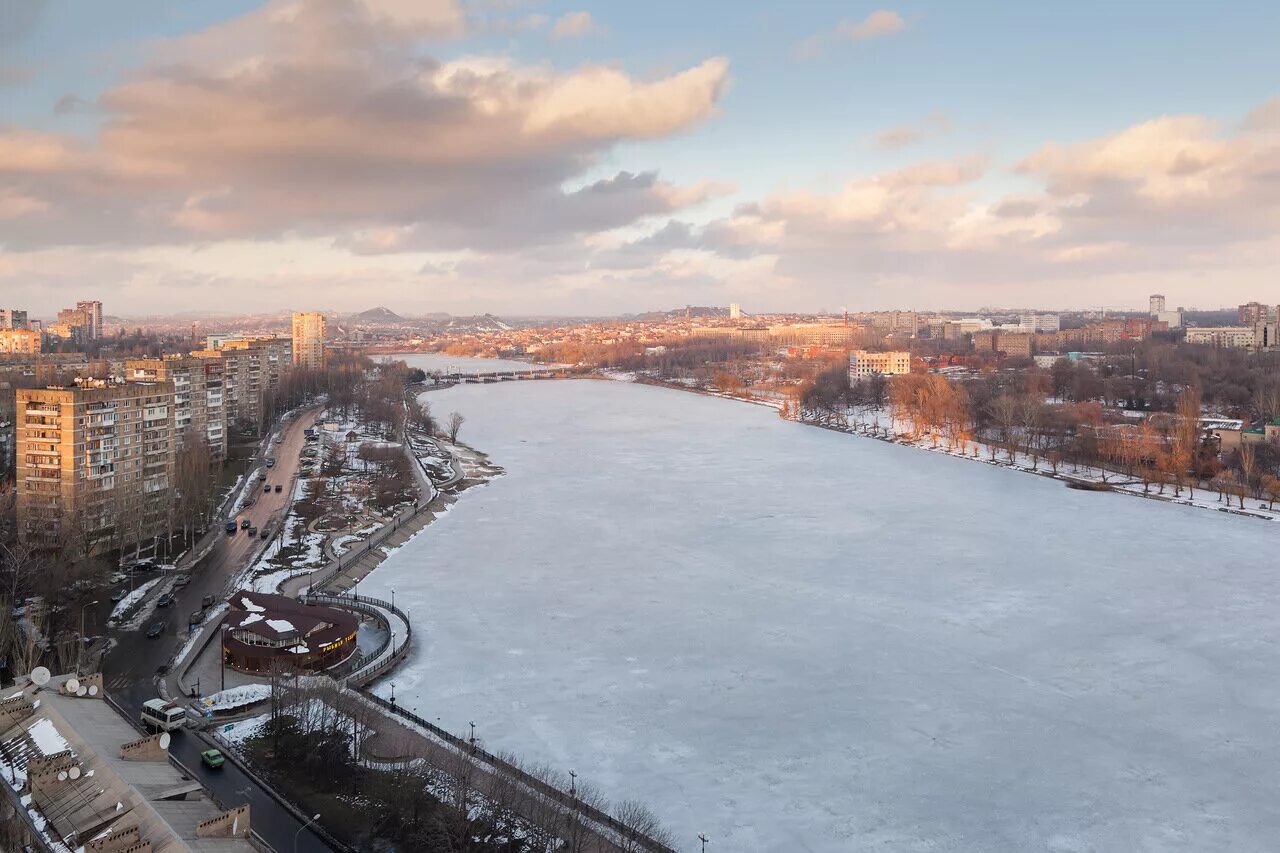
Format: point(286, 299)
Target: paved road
point(130, 668)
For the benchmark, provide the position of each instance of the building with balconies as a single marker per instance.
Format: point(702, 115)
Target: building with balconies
point(94, 464)
point(199, 413)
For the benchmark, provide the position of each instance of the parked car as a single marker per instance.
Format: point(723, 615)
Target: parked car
point(244, 524)
point(207, 601)
point(267, 487)
point(264, 534)
point(279, 488)
point(156, 629)
point(253, 531)
point(271, 463)
point(231, 526)
point(262, 475)
point(212, 758)
point(165, 600)
point(181, 580)
point(119, 594)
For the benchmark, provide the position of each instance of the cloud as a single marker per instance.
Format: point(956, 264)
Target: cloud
point(902, 136)
point(878, 24)
point(327, 118)
point(575, 25)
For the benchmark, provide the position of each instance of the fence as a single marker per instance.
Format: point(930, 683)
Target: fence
point(532, 782)
point(369, 666)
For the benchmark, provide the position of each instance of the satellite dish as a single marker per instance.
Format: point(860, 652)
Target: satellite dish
point(62, 775)
point(72, 685)
point(82, 691)
point(74, 772)
point(93, 690)
point(40, 676)
point(165, 739)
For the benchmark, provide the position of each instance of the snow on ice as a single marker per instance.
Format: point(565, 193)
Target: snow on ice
point(791, 638)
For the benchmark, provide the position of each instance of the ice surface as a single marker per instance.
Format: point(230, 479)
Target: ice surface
point(794, 639)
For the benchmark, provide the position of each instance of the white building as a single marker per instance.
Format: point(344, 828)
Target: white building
point(735, 311)
point(1221, 336)
point(1173, 318)
point(1039, 323)
point(863, 364)
point(1155, 304)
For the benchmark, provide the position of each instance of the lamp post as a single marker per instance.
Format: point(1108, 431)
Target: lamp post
point(702, 836)
point(473, 735)
point(393, 598)
point(314, 818)
point(80, 645)
point(573, 784)
point(222, 653)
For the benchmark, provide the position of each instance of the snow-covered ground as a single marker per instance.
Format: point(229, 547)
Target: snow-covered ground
point(237, 697)
point(791, 639)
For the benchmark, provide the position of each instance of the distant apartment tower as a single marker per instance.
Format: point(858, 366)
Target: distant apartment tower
point(1039, 323)
point(1155, 304)
point(735, 311)
point(1252, 313)
point(20, 341)
point(308, 339)
point(1266, 332)
point(12, 318)
point(863, 364)
point(198, 403)
point(92, 310)
point(95, 464)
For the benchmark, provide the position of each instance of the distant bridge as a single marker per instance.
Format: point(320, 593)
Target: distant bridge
point(500, 376)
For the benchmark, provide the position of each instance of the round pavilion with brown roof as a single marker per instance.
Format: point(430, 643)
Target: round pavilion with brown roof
point(262, 629)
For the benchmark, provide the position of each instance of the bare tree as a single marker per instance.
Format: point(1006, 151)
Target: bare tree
point(455, 425)
point(641, 827)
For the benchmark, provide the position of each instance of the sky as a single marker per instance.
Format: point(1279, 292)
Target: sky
point(547, 158)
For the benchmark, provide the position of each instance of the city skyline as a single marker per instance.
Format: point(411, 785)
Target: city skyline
point(593, 159)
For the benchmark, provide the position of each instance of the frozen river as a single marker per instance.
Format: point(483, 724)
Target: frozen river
point(432, 362)
point(796, 640)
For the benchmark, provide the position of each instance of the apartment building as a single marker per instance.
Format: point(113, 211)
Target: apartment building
point(12, 318)
point(308, 339)
point(19, 341)
point(92, 311)
point(198, 400)
point(1252, 313)
point(252, 368)
point(1266, 332)
point(95, 464)
point(863, 364)
point(1007, 342)
point(1221, 336)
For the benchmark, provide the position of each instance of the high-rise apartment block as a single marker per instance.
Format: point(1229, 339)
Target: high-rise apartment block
point(19, 341)
point(199, 410)
point(252, 369)
point(12, 318)
point(1252, 313)
point(1155, 304)
point(863, 364)
point(308, 339)
point(92, 310)
point(95, 464)
point(735, 311)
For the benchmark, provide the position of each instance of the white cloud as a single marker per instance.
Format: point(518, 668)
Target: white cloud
point(880, 23)
point(575, 25)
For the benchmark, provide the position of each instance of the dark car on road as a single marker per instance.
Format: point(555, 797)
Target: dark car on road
point(156, 629)
point(267, 487)
point(165, 600)
point(181, 580)
point(244, 524)
point(207, 601)
point(265, 533)
point(231, 527)
point(279, 488)
point(119, 594)
point(271, 463)
point(253, 531)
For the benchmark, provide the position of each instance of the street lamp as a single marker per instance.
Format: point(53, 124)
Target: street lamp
point(473, 736)
point(702, 836)
point(80, 645)
point(393, 598)
point(573, 784)
point(314, 818)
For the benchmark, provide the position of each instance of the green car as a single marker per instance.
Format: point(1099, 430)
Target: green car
point(212, 759)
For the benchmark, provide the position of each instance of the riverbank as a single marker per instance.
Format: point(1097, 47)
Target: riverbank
point(1086, 478)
